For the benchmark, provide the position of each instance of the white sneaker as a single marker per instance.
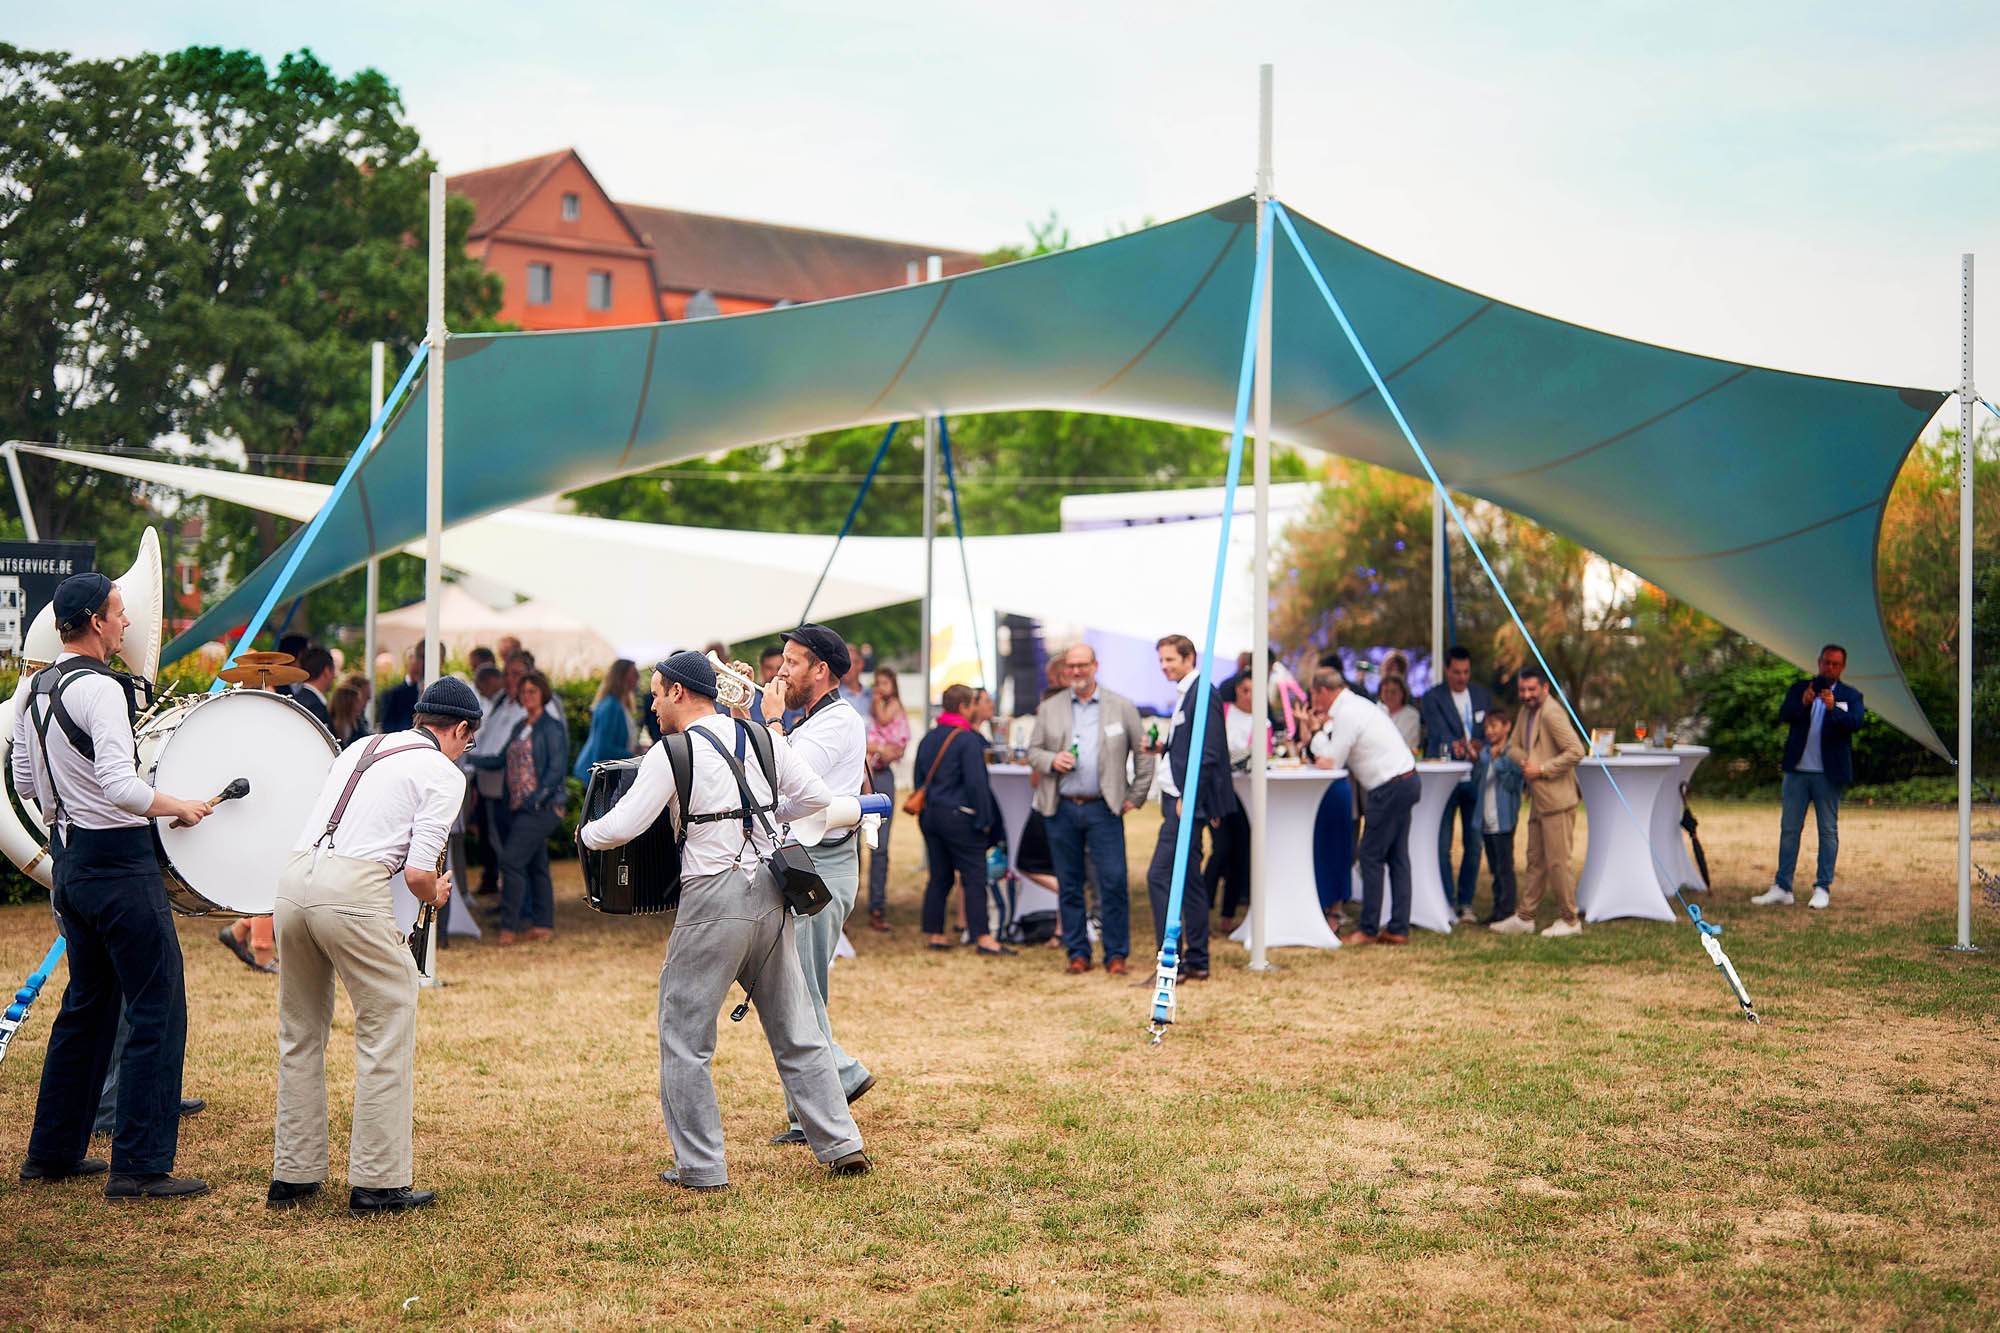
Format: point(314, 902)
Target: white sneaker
point(1467, 917)
point(1821, 899)
point(1559, 928)
point(1513, 925)
point(1774, 894)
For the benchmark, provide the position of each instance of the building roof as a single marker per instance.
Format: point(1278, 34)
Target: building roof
point(769, 262)
point(497, 192)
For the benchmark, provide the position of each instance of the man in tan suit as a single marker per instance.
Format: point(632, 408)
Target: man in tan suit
point(1548, 750)
point(1085, 740)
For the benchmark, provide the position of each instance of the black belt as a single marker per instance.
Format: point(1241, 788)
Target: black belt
point(1080, 800)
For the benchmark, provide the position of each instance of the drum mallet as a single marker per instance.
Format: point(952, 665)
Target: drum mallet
point(237, 789)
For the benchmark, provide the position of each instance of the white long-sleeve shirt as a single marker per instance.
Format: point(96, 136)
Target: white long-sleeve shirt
point(402, 809)
point(715, 846)
point(1361, 738)
point(106, 794)
point(832, 742)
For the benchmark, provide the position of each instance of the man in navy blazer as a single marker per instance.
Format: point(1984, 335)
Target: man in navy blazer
point(1819, 764)
point(1453, 713)
point(1214, 798)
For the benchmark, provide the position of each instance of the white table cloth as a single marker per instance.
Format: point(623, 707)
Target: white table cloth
point(1619, 875)
point(1292, 918)
point(1014, 793)
point(1667, 840)
point(1429, 907)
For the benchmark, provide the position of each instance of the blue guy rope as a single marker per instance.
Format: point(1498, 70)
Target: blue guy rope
point(17, 1012)
point(1169, 963)
point(881, 451)
point(958, 526)
point(1707, 931)
point(311, 533)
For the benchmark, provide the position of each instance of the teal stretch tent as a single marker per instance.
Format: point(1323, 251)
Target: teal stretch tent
point(1752, 494)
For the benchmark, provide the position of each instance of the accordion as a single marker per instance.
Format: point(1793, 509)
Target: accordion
point(644, 875)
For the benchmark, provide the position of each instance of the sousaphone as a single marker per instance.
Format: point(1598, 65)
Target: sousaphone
point(143, 586)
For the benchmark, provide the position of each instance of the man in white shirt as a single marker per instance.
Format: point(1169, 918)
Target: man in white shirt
point(73, 754)
point(1214, 801)
point(489, 785)
point(1359, 737)
point(386, 806)
point(729, 927)
point(832, 740)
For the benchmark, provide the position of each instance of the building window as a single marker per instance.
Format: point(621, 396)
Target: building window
point(600, 290)
point(570, 208)
point(540, 282)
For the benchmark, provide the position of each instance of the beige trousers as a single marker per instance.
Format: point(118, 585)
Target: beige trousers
point(1549, 839)
point(334, 918)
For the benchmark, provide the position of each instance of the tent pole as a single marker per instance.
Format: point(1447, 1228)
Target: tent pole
point(21, 493)
point(932, 267)
point(1437, 587)
point(1260, 593)
point(1966, 399)
point(434, 441)
point(377, 354)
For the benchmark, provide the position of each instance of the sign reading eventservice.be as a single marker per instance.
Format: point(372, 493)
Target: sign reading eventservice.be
point(29, 573)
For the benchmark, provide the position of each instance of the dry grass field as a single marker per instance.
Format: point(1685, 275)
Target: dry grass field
point(1473, 1131)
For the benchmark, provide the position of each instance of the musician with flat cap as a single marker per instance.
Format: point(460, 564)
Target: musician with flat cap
point(730, 926)
point(831, 739)
point(386, 806)
point(73, 753)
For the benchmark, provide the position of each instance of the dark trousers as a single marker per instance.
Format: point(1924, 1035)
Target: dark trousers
point(884, 782)
point(1228, 872)
point(1333, 845)
point(1090, 826)
point(953, 845)
point(1194, 889)
point(122, 951)
point(492, 832)
point(527, 894)
point(1461, 807)
point(1500, 855)
point(1385, 839)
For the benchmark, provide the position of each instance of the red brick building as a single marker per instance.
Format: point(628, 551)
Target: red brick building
point(569, 256)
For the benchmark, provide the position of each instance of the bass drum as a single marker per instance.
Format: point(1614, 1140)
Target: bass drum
point(195, 747)
point(644, 875)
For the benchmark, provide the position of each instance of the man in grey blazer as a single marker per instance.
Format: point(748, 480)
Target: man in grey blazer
point(1087, 749)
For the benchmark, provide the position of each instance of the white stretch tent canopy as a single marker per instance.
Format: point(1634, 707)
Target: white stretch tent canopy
point(563, 645)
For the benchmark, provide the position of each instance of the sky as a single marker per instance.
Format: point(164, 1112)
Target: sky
point(1783, 183)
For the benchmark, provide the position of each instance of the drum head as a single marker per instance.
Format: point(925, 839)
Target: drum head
point(233, 857)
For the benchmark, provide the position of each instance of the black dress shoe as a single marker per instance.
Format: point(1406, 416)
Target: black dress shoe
point(373, 1203)
point(671, 1176)
point(284, 1194)
point(792, 1135)
point(192, 1106)
point(858, 1093)
point(82, 1166)
point(157, 1185)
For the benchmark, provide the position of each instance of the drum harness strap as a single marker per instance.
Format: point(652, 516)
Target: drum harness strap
point(371, 755)
point(681, 756)
point(48, 687)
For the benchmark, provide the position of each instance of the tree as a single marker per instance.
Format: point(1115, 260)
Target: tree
point(193, 243)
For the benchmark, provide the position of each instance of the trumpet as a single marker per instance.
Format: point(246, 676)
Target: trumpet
point(733, 686)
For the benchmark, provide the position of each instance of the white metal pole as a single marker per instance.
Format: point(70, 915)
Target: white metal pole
point(1437, 587)
point(21, 493)
point(434, 442)
point(377, 353)
point(1260, 579)
point(1967, 397)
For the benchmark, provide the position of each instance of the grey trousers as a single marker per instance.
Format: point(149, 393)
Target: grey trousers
point(334, 918)
point(818, 936)
point(731, 927)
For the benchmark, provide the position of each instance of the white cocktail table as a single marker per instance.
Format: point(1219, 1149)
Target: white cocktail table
point(1429, 907)
point(1014, 792)
point(1667, 840)
point(1292, 916)
point(1619, 876)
